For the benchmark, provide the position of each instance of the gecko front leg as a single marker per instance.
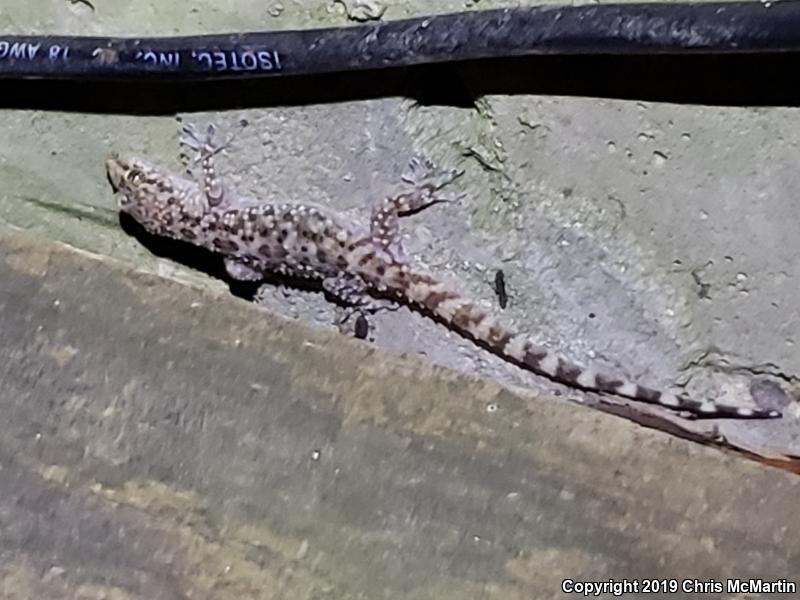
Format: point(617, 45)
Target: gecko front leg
point(384, 223)
point(204, 148)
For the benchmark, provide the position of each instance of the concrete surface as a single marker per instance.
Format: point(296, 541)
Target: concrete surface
point(163, 439)
point(159, 441)
point(654, 238)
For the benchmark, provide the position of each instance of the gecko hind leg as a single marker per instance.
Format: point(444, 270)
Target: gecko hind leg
point(202, 148)
point(355, 300)
point(352, 292)
point(427, 184)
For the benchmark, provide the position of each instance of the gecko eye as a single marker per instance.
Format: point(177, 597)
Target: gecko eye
point(136, 177)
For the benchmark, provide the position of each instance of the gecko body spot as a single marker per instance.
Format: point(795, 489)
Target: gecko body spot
point(533, 358)
point(225, 245)
point(567, 371)
point(607, 384)
point(648, 395)
point(469, 320)
point(435, 299)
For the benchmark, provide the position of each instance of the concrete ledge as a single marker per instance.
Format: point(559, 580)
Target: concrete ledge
point(159, 442)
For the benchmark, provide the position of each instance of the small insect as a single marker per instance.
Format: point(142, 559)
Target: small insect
point(361, 329)
point(500, 288)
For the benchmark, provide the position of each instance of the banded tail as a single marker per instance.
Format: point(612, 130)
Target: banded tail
point(468, 320)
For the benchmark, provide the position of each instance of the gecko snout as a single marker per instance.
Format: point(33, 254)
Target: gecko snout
point(115, 171)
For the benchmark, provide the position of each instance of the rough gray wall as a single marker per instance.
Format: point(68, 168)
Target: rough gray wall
point(273, 460)
point(655, 239)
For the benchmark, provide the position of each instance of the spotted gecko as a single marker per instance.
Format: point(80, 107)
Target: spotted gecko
point(356, 265)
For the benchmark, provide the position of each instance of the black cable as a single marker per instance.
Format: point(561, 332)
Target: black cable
point(656, 28)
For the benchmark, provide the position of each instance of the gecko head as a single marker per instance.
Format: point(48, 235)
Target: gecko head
point(140, 186)
point(127, 175)
point(143, 191)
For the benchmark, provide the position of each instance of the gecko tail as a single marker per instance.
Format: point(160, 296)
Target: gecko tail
point(469, 320)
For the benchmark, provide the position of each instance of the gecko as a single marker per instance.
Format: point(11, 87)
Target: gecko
point(362, 266)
